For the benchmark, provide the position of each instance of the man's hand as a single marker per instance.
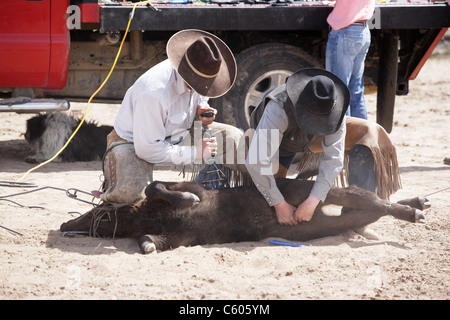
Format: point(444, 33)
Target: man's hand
point(285, 213)
point(306, 209)
point(201, 108)
point(290, 215)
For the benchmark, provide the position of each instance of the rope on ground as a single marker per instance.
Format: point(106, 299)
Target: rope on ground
point(442, 190)
point(71, 193)
point(11, 230)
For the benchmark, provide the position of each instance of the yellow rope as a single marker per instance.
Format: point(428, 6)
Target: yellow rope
point(90, 99)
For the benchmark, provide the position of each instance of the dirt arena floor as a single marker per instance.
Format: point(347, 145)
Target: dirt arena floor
point(407, 261)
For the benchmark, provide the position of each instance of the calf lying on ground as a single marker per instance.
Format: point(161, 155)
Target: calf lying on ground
point(185, 214)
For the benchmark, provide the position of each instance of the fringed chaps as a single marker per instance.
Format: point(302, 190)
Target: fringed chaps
point(373, 136)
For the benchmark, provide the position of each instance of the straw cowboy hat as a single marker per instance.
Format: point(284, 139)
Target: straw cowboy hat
point(204, 62)
point(319, 100)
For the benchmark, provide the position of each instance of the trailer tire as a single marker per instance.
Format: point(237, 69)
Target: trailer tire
point(259, 70)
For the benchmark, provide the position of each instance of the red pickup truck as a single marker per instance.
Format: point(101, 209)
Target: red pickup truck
point(54, 51)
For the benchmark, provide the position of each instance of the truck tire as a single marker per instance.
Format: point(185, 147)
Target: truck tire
point(259, 70)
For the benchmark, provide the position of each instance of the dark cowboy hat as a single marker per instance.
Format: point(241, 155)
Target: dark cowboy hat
point(319, 100)
point(204, 62)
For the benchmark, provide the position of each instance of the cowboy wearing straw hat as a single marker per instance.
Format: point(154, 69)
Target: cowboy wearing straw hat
point(159, 110)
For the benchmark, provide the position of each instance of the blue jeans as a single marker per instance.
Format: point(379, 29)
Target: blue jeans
point(361, 168)
point(345, 57)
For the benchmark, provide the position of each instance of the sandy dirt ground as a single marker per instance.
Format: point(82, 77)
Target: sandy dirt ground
point(408, 261)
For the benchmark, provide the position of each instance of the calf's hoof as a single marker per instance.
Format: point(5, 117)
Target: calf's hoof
point(147, 245)
point(424, 203)
point(420, 203)
point(192, 198)
point(419, 216)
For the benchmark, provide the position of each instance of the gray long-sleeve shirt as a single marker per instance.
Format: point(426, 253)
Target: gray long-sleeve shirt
point(262, 159)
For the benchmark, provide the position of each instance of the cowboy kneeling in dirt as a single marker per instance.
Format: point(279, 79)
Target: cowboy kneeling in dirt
point(155, 123)
point(307, 115)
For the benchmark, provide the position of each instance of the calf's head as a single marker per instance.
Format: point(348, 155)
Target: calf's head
point(163, 208)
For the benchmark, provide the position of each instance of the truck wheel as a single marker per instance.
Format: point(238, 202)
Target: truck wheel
point(260, 69)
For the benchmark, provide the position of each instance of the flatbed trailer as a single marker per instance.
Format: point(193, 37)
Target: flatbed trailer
point(270, 39)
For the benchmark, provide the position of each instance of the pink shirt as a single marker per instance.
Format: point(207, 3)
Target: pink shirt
point(346, 12)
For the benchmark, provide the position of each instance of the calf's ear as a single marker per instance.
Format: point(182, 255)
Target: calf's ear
point(155, 190)
point(178, 199)
point(147, 191)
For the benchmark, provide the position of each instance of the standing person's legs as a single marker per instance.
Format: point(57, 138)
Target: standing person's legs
point(337, 61)
point(356, 85)
point(345, 56)
point(357, 106)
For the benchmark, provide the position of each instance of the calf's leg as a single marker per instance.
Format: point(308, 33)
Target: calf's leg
point(150, 242)
point(322, 225)
point(420, 203)
point(357, 198)
point(353, 197)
